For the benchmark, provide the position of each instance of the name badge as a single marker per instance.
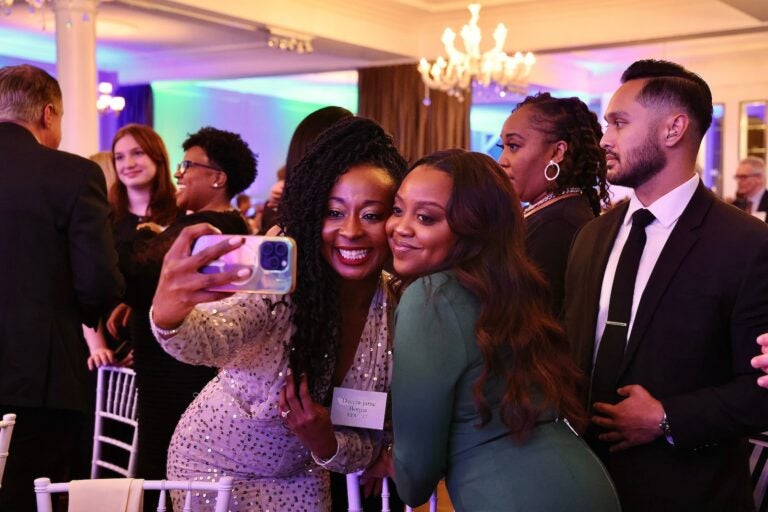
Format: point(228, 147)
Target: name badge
point(355, 408)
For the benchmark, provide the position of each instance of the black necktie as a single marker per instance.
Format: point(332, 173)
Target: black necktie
point(610, 354)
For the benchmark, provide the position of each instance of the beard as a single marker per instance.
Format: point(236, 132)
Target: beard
point(639, 165)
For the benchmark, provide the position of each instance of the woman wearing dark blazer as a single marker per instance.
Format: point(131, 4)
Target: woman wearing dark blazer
point(551, 153)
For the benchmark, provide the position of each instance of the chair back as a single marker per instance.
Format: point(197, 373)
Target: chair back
point(758, 469)
point(354, 502)
point(116, 401)
point(6, 430)
point(223, 489)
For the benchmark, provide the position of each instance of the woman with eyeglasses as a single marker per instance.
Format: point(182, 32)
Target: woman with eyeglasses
point(217, 165)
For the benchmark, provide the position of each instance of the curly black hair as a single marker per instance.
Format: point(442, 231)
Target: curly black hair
point(317, 313)
point(228, 151)
point(583, 165)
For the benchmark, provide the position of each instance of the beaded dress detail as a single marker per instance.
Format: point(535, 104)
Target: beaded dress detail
point(233, 427)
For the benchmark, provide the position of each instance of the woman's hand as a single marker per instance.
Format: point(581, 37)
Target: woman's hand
point(275, 194)
point(181, 286)
point(127, 361)
point(101, 356)
point(119, 319)
point(311, 422)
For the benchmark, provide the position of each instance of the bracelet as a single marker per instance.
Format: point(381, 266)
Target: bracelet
point(666, 430)
point(324, 462)
point(163, 333)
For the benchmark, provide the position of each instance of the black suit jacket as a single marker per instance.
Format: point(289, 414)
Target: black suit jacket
point(693, 336)
point(58, 269)
point(741, 203)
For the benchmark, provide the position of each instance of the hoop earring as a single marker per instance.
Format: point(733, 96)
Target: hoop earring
point(557, 170)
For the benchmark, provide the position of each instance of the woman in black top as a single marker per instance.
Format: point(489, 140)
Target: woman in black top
point(551, 153)
point(217, 165)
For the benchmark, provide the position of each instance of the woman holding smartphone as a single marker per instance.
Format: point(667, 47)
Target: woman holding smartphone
point(483, 383)
point(217, 165)
point(263, 419)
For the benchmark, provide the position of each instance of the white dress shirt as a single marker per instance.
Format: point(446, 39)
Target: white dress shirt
point(667, 210)
point(756, 198)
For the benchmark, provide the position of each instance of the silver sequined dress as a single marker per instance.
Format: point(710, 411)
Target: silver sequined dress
point(233, 427)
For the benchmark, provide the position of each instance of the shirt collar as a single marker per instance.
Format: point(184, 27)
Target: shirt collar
point(668, 208)
point(756, 199)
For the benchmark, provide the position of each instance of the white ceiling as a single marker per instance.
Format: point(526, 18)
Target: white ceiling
point(587, 41)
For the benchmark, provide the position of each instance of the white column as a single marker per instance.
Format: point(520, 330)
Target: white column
point(77, 74)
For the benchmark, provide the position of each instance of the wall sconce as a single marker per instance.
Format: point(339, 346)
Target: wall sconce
point(107, 103)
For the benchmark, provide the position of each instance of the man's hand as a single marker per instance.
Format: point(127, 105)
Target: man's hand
point(632, 422)
point(761, 361)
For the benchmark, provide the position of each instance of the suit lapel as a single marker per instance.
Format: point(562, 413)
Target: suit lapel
point(763, 206)
point(594, 280)
point(679, 243)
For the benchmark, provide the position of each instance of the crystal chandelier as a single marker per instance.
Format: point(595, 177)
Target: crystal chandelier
point(34, 5)
point(457, 74)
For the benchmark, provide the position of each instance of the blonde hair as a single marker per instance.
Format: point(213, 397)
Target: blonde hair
point(104, 159)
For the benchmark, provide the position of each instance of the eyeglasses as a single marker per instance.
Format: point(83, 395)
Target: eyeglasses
point(184, 166)
point(745, 176)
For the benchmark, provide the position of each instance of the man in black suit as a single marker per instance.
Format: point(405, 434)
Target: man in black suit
point(58, 270)
point(751, 194)
point(678, 281)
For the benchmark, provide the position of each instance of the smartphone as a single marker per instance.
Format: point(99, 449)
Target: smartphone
point(272, 260)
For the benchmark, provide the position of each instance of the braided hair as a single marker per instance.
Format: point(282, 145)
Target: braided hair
point(348, 143)
point(583, 165)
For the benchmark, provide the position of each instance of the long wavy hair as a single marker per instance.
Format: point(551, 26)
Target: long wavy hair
point(162, 204)
point(317, 314)
point(583, 165)
point(520, 341)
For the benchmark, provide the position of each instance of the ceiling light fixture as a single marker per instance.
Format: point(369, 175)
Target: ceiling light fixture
point(34, 5)
point(37, 6)
point(289, 41)
point(456, 75)
point(107, 103)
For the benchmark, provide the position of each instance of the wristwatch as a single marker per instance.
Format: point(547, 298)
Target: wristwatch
point(666, 430)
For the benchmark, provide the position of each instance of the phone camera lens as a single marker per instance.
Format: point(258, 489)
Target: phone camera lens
point(267, 248)
point(281, 249)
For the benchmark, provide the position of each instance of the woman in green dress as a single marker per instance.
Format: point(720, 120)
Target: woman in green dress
point(483, 383)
